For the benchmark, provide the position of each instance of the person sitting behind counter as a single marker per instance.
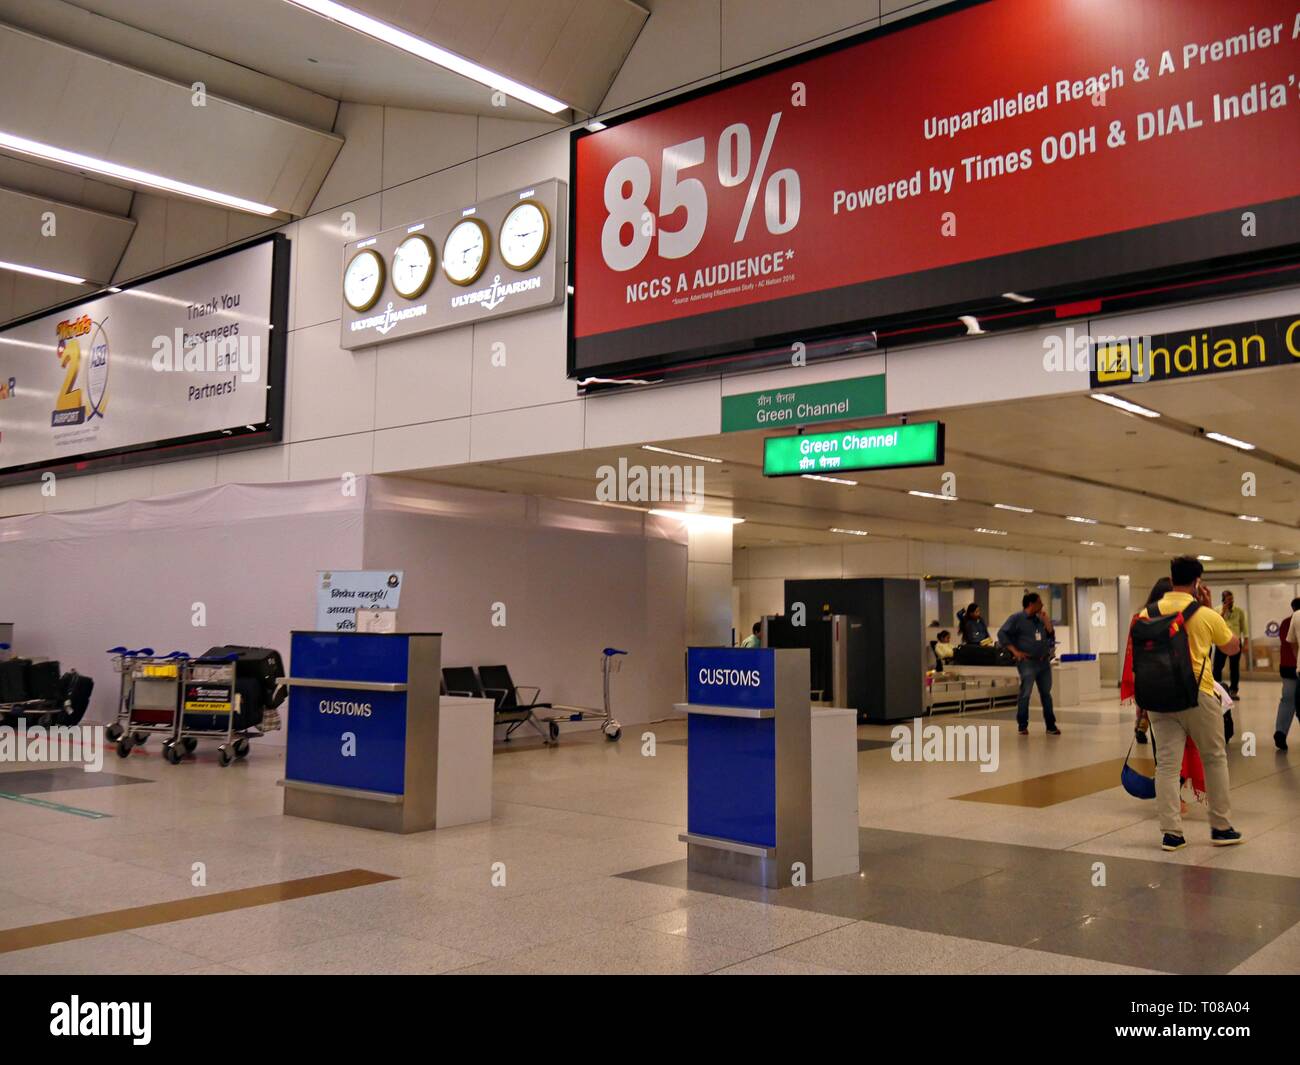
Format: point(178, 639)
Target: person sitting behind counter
point(943, 646)
point(972, 627)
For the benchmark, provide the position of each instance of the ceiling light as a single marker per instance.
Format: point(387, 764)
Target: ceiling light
point(933, 495)
point(1125, 405)
point(852, 532)
point(595, 126)
point(699, 521)
point(1016, 297)
point(1081, 521)
point(1008, 506)
point(1205, 558)
point(1248, 517)
point(14, 143)
point(49, 275)
point(417, 46)
point(1137, 528)
point(1231, 441)
point(679, 454)
point(1181, 536)
point(991, 532)
point(828, 480)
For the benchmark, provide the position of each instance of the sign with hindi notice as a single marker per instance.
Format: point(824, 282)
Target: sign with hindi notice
point(341, 594)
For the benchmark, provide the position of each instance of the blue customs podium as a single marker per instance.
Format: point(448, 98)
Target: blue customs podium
point(363, 729)
point(749, 763)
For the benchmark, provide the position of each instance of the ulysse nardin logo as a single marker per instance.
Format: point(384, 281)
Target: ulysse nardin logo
point(496, 293)
point(384, 322)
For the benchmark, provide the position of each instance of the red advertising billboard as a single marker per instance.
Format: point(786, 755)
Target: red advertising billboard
point(1037, 146)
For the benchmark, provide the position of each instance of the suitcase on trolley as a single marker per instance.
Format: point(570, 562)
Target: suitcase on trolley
point(257, 671)
point(13, 680)
point(43, 681)
point(76, 691)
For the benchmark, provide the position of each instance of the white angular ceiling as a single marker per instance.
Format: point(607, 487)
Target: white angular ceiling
point(38, 231)
point(569, 49)
point(59, 95)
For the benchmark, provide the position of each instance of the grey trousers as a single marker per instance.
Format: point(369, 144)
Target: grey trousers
point(1204, 724)
point(1286, 706)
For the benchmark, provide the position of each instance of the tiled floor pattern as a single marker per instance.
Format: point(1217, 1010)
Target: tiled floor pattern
point(950, 885)
point(61, 778)
point(157, 913)
point(1191, 918)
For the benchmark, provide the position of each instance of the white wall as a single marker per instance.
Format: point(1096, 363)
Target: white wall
point(134, 573)
point(568, 582)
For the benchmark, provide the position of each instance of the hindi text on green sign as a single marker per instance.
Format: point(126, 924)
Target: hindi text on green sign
point(825, 401)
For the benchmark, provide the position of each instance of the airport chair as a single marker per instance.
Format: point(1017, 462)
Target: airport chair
point(461, 680)
point(513, 707)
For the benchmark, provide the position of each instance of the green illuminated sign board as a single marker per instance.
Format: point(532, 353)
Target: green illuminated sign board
point(889, 448)
point(826, 401)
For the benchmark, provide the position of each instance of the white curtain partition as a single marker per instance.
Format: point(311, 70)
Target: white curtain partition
point(242, 559)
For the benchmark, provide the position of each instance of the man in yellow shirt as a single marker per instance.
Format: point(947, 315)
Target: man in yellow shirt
point(1204, 722)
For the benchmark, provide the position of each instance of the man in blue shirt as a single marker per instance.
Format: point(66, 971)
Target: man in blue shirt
point(1028, 635)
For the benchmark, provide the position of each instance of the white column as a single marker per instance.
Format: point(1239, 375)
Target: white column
point(708, 585)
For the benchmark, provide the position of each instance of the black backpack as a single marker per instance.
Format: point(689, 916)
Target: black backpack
point(1163, 678)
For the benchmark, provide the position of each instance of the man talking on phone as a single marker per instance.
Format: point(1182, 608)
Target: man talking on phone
point(1028, 635)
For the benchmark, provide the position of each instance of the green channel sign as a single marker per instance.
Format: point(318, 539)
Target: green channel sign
point(857, 449)
point(826, 401)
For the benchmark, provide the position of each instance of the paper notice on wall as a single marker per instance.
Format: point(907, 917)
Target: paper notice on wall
point(340, 594)
point(370, 619)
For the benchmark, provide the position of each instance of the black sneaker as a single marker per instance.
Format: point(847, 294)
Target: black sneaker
point(1279, 740)
point(1172, 842)
point(1225, 837)
point(1053, 731)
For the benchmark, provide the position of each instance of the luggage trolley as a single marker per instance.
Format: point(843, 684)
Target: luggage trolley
point(609, 663)
point(208, 709)
point(150, 687)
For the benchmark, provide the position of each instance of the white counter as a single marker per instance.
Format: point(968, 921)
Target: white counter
point(464, 761)
point(834, 792)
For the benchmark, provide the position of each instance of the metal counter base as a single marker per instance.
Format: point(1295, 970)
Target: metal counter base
point(729, 860)
point(373, 810)
point(729, 865)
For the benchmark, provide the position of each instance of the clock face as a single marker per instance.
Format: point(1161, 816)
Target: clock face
point(413, 266)
point(525, 234)
point(465, 251)
point(363, 280)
